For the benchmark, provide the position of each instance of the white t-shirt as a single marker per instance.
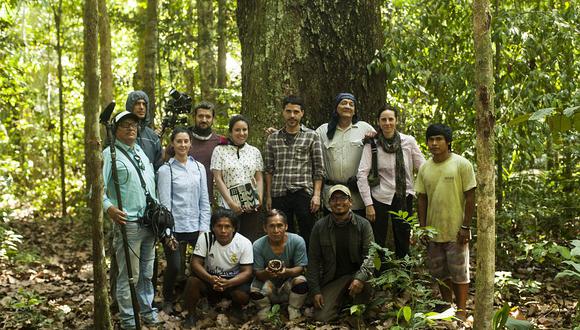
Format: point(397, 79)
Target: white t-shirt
point(225, 260)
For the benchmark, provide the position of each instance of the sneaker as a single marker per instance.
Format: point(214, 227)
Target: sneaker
point(151, 319)
point(189, 322)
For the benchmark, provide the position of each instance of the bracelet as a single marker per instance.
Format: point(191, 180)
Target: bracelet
point(465, 227)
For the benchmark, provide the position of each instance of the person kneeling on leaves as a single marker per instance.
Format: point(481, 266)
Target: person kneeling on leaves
point(279, 262)
point(221, 264)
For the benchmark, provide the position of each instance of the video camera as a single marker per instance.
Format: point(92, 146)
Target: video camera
point(176, 110)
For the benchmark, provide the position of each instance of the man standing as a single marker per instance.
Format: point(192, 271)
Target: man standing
point(294, 169)
point(130, 158)
point(342, 147)
point(338, 261)
point(279, 262)
point(205, 140)
point(222, 265)
point(446, 189)
point(147, 139)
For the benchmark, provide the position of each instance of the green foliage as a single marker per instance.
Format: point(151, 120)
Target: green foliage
point(25, 310)
point(572, 262)
point(273, 316)
point(9, 246)
point(509, 288)
point(502, 320)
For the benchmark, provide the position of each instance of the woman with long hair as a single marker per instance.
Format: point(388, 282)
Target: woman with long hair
point(237, 169)
point(398, 157)
point(182, 184)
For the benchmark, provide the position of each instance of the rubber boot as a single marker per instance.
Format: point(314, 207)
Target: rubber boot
point(264, 308)
point(295, 302)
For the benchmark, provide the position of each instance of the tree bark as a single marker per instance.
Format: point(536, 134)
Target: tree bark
point(93, 159)
point(222, 43)
point(484, 104)
point(145, 79)
point(58, 20)
point(105, 54)
point(314, 49)
point(205, 43)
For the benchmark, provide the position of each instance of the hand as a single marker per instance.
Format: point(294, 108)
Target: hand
point(370, 213)
point(117, 215)
point(314, 203)
point(370, 135)
point(318, 301)
point(236, 208)
point(268, 203)
point(355, 287)
point(270, 130)
point(463, 236)
point(219, 284)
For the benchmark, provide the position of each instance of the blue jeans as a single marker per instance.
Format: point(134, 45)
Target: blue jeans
point(142, 254)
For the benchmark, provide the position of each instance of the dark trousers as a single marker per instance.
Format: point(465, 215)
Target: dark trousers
point(250, 225)
point(174, 263)
point(296, 204)
point(401, 228)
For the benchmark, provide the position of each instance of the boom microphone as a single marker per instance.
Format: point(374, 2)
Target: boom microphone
point(106, 114)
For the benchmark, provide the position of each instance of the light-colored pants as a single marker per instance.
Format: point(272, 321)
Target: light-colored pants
point(276, 294)
point(142, 254)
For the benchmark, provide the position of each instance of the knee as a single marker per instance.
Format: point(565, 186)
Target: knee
point(239, 297)
point(299, 286)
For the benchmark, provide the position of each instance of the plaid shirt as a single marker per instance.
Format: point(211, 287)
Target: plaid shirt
point(294, 166)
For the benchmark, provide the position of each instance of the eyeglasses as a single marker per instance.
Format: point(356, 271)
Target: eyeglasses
point(129, 125)
point(339, 198)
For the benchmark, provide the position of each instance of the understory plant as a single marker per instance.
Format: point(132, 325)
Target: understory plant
point(408, 282)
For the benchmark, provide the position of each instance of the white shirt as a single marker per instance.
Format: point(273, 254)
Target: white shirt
point(342, 155)
point(236, 171)
point(225, 260)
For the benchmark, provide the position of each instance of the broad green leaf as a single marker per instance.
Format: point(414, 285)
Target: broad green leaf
point(541, 114)
point(513, 324)
point(568, 112)
point(407, 313)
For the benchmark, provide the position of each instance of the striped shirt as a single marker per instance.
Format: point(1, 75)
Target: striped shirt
point(294, 162)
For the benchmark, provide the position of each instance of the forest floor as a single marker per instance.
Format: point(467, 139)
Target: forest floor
point(48, 284)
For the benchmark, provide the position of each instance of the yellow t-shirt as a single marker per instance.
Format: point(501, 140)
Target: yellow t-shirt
point(444, 183)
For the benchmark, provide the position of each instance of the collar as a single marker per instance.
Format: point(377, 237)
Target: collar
point(331, 223)
point(126, 147)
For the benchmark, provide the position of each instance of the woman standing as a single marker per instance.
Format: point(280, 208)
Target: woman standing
point(237, 169)
point(398, 156)
point(182, 185)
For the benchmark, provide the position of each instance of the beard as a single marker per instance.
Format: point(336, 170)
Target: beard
point(202, 131)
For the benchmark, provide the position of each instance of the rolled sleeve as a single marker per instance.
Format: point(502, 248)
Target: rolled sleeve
point(363, 173)
point(318, 172)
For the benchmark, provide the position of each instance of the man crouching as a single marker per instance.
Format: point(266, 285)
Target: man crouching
point(279, 261)
point(221, 264)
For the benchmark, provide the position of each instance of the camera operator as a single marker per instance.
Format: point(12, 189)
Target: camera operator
point(147, 139)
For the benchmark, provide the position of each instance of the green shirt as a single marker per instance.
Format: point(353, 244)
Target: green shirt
point(445, 184)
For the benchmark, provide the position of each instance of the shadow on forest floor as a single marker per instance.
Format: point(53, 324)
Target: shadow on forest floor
point(47, 283)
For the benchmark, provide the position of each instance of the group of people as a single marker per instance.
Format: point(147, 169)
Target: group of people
point(351, 171)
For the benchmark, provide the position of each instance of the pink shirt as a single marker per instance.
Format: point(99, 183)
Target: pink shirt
point(385, 191)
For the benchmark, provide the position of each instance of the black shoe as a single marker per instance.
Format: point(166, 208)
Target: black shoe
point(189, 322)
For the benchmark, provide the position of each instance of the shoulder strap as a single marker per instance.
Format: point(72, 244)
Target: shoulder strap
point(209, 239)
point(143, 185)
point(375, 166)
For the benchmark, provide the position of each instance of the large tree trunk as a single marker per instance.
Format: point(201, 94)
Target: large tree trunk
point(206, 59)
point(222, 43)
point(58, 20)
point(93, 159)
point(484, 104)
point(145, 79)
point(105, 54)
point(314, 49)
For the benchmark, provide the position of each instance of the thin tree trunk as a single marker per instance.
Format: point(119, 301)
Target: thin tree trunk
point(498, 148)
point(105, 54)
point(58, 21)
point(314, 49)
point(484, 104)
point(146, 62)
point(93, 160)
point(222, 44)
point(206, 60)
